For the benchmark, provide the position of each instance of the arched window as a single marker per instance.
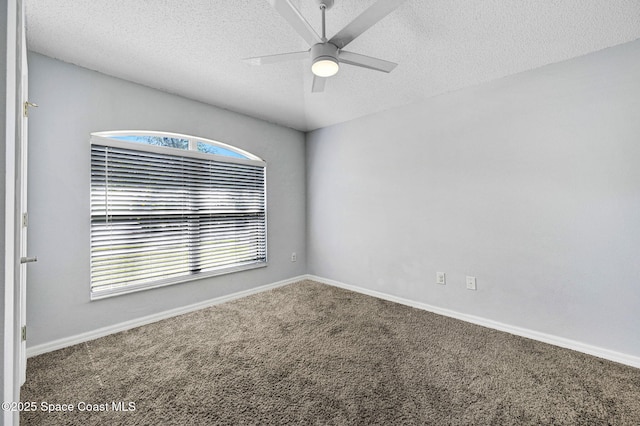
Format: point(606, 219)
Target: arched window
point(167, 208)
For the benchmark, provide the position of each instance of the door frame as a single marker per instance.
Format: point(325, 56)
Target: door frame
point(21, 199)
point(13, 13)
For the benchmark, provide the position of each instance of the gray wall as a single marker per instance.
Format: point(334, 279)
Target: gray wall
point(75, 102)
point(530, 183)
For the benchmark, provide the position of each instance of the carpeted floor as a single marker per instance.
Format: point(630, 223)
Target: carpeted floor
point(308, 353)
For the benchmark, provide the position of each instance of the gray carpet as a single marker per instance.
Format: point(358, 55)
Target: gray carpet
point(308, 353)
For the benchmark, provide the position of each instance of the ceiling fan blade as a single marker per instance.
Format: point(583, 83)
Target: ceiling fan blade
point(281, 57)
point(296, 20)
point(366, 20)
point(363, 61)
point(318, 84)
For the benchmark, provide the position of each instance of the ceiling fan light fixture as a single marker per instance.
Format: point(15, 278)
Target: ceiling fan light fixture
point(325, 66)
point(325, 59)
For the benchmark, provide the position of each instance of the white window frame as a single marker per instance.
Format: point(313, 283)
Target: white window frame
point(106, 139)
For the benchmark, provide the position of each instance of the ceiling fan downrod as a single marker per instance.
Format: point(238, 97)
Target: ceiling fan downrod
point(325, 55)
point(324, 6)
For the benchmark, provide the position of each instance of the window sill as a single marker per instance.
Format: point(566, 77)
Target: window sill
point(107, 293)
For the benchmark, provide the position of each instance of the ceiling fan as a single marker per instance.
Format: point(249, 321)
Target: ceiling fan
point(327, 54)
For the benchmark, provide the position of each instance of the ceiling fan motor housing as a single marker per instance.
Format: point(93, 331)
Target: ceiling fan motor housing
point(322, 51)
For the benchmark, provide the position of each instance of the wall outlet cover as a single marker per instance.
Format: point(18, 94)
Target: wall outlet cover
point(441, 278)
point(471, 283)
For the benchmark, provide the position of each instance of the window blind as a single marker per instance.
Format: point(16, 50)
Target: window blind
point(158, 217)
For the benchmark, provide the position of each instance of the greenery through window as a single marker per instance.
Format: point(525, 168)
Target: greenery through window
point(167, 208)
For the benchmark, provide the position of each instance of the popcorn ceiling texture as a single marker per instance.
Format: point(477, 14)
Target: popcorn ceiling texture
point(194, 48)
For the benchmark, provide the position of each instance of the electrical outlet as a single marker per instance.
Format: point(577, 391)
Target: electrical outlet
point(471, 283)
point(294, 257)
point(441, 278)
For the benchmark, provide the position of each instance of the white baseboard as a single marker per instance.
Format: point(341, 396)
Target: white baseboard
point(127, 325)
point(610, 355)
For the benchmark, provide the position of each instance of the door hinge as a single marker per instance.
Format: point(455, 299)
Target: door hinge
point(28, 104)
point(24, 333)
point(25, 220)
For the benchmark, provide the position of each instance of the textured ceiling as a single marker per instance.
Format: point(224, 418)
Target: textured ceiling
point(194, 48)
